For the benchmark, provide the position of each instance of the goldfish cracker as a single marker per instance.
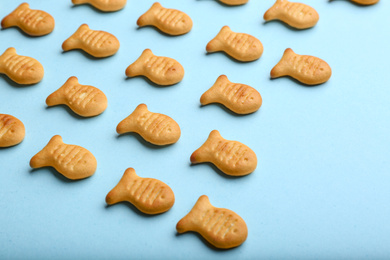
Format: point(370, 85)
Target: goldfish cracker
point(32, 22)
point(239, 98)
point(241, 46)
point(72, 161)
point(12, 130)
point(150, 196)
point(84, 100)
point(307, 69)
point(221, 227)
point(155, 128)
point(297, 15)
point(231, 157)
point(99, 44)
point(21, 69)
point(169, 21)
point(160, 70)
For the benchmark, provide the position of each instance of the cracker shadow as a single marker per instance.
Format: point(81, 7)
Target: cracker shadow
point(9, 147)
point(207, 243)
point(298, 82)
point(287, 26)
point(70, 111)
point(14, 84)
point(141, 140)
point(231, 58)
point(227, 110)
point(151, 83)
point(218, 171)
point(134, 209)
point(151, 27)
point(87, 55)
point(56, 174)
point(24, 33)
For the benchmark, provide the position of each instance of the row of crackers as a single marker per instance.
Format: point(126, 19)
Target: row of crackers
point(152, 196)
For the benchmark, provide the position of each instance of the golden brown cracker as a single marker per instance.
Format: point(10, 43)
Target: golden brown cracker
point(150, 196)
point(155, 128)
point(231, 157)
point(32, 22)
point(72, 161)
point(84, 100)
point(160, 70)
point(12, 130)
point(169, 21)
point(297, 15)
point(241, 46)
point(221, 227)
point(99, 44)
point(21, 69)
point(307, 69)
point(239, 98)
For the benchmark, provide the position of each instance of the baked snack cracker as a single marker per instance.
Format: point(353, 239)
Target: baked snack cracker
point(99, 44)
point(32, 22)
point(241, 46)
point(231, 157)
point(155, 128)
point(221, 227)
point(160, 70)
point(169, 21)
point(12, 130)
point(72, 161)
point(150, 196)
point(84, 100)
point(103, 5)
point(21, 69)
point(365, 2)
point(307, 69)
point(297, 15)
point(234, 2)
point(239, 98)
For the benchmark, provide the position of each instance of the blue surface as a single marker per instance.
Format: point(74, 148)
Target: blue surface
point(322, 185)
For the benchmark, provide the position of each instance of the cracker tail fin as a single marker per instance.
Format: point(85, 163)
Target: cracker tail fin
point(188, 222)
point(8, 21)
point(118, 193)
point(272, 12)
point(72, 41)
point(57, 97)
point(207, 97)
point(40, 159)
point(7, 53)
point(136, 68)
point(148, 17)
point(210, 95)
point(129, 124)
point(201, 154)
point(216, 44)
point(279, 69)
point(11, 19)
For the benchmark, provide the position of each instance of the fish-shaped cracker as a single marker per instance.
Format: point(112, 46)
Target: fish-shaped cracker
point(221, 227)
point(150, 196)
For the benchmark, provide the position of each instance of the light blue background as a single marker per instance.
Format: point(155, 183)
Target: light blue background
point(322, 186)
